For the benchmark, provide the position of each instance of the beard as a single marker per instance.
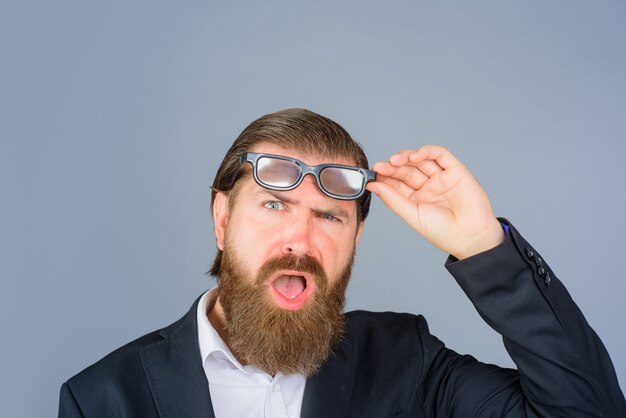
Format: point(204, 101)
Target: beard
point(276, 340)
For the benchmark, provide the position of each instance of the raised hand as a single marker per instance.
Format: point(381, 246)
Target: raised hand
point(437, 195)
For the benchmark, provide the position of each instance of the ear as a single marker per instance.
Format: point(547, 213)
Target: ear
point(220, 217)
point(359, 231)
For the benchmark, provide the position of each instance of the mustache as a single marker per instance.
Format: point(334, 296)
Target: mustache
point(305, 264)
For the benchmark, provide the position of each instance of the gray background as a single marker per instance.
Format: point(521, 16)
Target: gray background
point(116, 114)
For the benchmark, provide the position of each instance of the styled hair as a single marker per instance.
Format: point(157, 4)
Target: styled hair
point(300, 130)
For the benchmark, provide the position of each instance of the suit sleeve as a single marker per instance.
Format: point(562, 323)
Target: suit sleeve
point(68, 408)
point(563, 367)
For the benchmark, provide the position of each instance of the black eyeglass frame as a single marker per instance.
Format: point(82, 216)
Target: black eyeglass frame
point(253, 158)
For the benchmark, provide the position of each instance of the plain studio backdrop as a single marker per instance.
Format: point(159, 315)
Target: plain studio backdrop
point(115, 116)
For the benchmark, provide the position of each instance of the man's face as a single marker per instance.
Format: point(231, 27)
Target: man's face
point(286, 264)
point(264, 224)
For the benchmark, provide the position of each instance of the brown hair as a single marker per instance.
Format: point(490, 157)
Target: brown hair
point(297, 129)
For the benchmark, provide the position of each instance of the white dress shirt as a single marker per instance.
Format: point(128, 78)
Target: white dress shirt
point(243, 391)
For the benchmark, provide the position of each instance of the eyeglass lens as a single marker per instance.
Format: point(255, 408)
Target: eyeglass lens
point(341, 181)
point(276, 172)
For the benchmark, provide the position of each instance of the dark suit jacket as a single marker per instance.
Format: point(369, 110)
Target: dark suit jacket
point(390, 365)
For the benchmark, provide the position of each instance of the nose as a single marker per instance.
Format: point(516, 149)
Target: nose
point(298, 237)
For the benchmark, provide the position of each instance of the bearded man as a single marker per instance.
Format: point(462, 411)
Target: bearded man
point(289, 203)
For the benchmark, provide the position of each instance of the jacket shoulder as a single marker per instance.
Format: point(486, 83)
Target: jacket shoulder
point(114, 383)
point(125, 359)
point(118, 362)
point(118, 380)
point(385, 322)
point(397, 334)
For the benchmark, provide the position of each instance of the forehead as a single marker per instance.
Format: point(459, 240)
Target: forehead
point(308, 158)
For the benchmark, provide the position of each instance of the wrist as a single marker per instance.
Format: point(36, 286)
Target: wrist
point(490, 238)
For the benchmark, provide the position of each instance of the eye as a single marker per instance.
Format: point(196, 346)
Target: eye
point(329, 217)
point(274, 205)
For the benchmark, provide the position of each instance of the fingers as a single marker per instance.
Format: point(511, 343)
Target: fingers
point(433, 156)
point(416, 196)
point(415, 167)
point(397, 202)
point(411, 177)
point(399, 186)
point(406, 158)
point(441, 155)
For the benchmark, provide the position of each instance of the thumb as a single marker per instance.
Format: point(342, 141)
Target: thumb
point(399, 204)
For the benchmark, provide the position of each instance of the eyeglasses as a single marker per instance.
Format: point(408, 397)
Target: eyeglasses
point(338, 181)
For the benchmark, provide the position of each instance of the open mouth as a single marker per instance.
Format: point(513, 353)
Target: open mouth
point(291, 289)
point(290, 286)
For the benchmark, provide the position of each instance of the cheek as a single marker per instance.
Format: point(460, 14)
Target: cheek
point(336, 254)
point(252, 241)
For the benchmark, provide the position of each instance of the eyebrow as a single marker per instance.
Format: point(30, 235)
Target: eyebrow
point(336, 211)
point(276, 195)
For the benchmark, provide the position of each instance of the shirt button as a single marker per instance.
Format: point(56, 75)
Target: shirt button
point(538, 261)
point(541, 271)
point(546, 281)
point(529, 253)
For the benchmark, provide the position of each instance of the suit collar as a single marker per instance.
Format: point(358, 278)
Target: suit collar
point(173, 368)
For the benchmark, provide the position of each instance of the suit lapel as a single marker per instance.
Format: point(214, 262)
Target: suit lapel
point(328, 392)
point(174, 371)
